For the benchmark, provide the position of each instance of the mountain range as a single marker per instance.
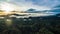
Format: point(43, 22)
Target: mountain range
point(55, 10)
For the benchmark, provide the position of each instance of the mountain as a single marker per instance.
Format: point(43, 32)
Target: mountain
point(31, 10)
point(55, 11)
point(58, 6)
point(52, 11)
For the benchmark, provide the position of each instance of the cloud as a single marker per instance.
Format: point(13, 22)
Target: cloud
point(8, 0)
point(50, 3)
point(26, 4)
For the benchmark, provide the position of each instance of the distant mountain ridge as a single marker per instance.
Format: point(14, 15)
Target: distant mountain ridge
point(54, 11)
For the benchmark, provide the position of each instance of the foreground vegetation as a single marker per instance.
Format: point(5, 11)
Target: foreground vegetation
point(31, 25)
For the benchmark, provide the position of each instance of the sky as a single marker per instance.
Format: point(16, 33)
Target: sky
point(23, 5)
point(36, 4)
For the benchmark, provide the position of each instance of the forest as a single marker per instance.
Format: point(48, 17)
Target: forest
point(32, 25)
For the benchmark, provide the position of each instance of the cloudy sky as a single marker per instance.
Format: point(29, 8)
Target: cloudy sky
point(37, 4)
point(23, 5)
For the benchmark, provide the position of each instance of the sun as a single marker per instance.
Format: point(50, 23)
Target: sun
point(6, 7)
